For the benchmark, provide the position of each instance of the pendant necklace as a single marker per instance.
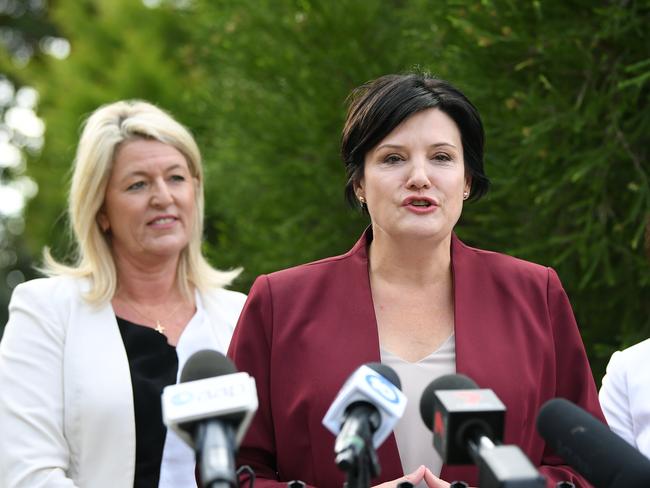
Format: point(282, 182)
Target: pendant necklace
point(160, 328)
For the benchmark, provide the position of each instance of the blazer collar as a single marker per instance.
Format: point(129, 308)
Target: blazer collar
point(465, 304)
point(468, 304)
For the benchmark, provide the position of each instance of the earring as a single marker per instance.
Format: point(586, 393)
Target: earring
point(465, 195)
point(362, 203)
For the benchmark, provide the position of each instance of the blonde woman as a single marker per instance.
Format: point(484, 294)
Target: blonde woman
point(87, 351)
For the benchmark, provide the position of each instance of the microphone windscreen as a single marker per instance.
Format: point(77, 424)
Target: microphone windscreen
point(387, 372)
point(445, 382)
point(589, 446)
point(206, 363)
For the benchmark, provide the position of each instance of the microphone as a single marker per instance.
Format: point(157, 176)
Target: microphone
point(467, 424)
point(589, 446)
point(456, 410)
point(211, 409)
point(362, 416)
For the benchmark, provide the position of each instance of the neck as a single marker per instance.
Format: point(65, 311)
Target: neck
point(147, 283)
point(411, 261)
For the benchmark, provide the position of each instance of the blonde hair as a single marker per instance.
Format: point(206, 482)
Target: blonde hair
point(108, 127)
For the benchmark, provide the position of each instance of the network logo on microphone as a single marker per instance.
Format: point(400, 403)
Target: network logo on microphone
point(366, 385)
point(383, 387)
point(182, 398)
point(210, 390)
point(230, 394)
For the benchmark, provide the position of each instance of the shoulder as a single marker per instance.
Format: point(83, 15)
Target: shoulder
point(640, 350)
point(222, 308)
point(499, 264)
point(57, 290)
point(224, 298)
point(223, 305)
point(630, 358)
point(317, 282)
point(626, 379)
point(43, 307)
point(317, 270)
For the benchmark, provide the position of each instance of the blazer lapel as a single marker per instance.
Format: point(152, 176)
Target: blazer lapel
point(99, 398)
point(467, 302)
point(368, 343)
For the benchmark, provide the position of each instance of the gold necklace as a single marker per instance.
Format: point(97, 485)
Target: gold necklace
point(159, 327)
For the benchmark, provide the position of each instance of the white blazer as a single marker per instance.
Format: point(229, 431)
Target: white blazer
point(625, 395)
point(66, 401)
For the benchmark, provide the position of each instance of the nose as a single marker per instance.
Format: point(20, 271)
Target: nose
point(161, 195)
point(418, 177)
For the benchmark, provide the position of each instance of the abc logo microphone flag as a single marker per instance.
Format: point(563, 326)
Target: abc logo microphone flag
point(366, 385)
point(219, 396)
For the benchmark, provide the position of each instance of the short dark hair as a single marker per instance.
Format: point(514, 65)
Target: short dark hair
point(378, 106)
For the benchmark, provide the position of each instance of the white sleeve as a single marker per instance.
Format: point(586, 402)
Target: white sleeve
point(614, 398)
point(33, 449)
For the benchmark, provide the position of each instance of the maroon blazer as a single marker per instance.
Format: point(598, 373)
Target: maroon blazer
point(304, 330)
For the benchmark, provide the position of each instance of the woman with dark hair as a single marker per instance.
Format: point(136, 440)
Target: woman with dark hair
point(411, 295)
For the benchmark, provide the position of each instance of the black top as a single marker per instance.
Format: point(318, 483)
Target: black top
point(153, 364)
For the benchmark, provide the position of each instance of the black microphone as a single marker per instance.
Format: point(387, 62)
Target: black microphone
point(211, 409)
point(362, 415)
point(458, 413)
point(590, 447)
point(467, 424)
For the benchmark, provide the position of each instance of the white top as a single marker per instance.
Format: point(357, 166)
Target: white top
point(66, 399)
point(414, 439)
point(178, 460)
point(625, 395)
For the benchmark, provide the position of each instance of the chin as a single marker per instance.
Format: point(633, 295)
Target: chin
point(424, 232)
point(168, 249)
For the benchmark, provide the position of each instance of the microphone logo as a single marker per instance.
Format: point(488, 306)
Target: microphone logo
point(368, 386)
point(471, 397)
point(217, 396)
point(182, 398)
point(438, 424)
point(383, 387)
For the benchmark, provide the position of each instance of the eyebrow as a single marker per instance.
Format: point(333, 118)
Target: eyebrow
point(144, 173)
point(397, 146)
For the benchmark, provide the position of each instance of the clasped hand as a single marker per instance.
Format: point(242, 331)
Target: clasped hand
point(422, 473)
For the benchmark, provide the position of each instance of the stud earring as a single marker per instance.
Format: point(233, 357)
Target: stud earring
point(362, 203)
point(465, 195)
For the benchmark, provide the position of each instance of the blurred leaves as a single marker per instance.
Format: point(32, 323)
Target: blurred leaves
point(562, 88)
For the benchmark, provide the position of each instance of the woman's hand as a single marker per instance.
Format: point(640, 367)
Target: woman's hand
point(433, 481)
point(422, 473)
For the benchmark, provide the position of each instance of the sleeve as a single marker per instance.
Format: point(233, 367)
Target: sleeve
point(33, 449)
point(614, 398)
point(574, 379)
point(250, 349)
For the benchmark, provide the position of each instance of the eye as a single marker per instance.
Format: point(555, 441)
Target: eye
point(442, 157)
point(136, 186)
point(393, 158)
point(177, 178)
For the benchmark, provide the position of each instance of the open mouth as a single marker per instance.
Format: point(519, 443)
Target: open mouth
point(162, 221)
point(420, 203)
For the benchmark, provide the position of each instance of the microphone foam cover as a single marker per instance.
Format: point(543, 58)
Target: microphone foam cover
point(206, 363)
point(387, 372)
point(445, 382)
point(590, 447)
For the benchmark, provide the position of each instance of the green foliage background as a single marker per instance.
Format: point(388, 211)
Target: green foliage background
point(562, 88)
